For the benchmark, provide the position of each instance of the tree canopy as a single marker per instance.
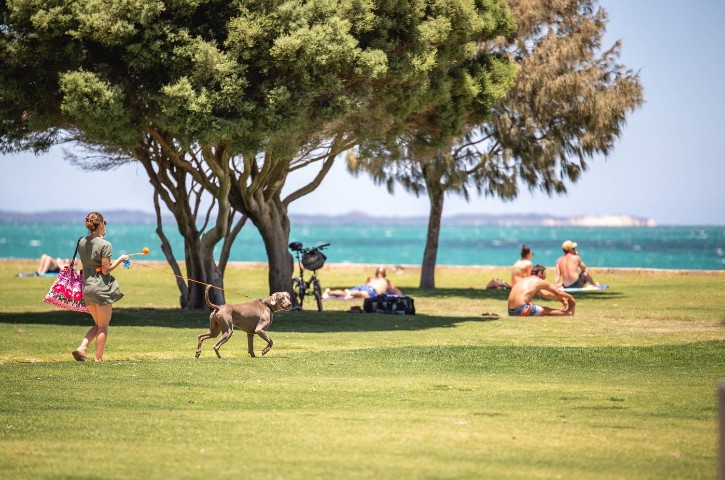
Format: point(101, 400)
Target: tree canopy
point(569, 103)
point(229, 97)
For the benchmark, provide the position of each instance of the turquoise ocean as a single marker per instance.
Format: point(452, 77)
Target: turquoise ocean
point(666, 247)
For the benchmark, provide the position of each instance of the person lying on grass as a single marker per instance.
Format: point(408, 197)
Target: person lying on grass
point(372, 288)
point(525, 289)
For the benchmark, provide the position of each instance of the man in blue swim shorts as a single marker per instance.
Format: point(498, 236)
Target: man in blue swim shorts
point(366, 291)
point(372, 287)
point(523, 292)
point(527, 310)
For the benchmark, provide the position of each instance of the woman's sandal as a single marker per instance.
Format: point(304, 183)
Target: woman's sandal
point(79, 356)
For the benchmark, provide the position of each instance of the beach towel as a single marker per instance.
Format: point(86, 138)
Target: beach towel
point(588, 288)
point(36, 274)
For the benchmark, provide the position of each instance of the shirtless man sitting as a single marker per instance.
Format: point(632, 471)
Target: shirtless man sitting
point(525, 289)
point(372, 287)
point(571, 272)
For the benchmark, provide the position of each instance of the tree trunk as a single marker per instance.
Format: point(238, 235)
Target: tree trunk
point(430, 254)
point(273, 224)
point(201, 271)
point(229, 240)
point(261, 202)
point(171, 186)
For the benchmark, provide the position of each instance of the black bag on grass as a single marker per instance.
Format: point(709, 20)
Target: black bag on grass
point(395, 304)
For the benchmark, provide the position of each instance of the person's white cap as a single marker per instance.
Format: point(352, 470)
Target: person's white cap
point(568, 245)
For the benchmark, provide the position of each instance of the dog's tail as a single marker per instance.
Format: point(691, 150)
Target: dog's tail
point(208, 302)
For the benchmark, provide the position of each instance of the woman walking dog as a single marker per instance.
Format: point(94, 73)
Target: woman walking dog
point(100, 289)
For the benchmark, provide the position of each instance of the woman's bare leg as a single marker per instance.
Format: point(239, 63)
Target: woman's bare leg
point(102, 319)
point(92, 333)
point(333, 293)
point(44, 263)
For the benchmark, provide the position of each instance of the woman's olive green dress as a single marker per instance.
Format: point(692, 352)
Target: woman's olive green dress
point(98, 289)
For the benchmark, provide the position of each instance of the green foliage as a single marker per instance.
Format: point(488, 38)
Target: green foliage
point(212, 72)
point(529, 110)
point(625, 388)
point(570, 100)
point(112, 24)
point(568, 103)
point(226, 98)
point(100, 108)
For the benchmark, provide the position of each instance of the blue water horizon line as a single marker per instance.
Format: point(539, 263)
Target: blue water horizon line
point(124, 216)
point(676, 248)
point(353, 217)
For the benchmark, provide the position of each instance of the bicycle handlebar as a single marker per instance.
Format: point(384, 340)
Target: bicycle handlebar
point(302, 249)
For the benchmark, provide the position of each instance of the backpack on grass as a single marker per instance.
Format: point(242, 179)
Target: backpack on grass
point(395, 304)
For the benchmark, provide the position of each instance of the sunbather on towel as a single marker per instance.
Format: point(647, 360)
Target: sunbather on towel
point(521, 296)
point(372, 287)
point(48, 264)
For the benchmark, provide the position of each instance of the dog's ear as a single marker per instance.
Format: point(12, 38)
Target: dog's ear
point(274, 298)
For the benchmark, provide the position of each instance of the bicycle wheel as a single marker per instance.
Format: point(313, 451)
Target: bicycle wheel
point(317, 289)
point(298, 293)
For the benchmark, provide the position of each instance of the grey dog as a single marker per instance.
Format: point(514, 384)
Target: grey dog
point(251, 317)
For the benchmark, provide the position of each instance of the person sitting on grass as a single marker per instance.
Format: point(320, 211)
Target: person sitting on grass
point(571, 272)
point(48, 264)
point(523, 292)
point(522, 267)
point(377, 285)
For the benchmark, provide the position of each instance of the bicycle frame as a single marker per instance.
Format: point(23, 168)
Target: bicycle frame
point(301, 287)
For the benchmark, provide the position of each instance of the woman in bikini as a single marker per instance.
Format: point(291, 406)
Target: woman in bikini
point(522, 267)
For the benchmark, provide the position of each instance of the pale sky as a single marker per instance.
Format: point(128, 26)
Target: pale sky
point(669, 164)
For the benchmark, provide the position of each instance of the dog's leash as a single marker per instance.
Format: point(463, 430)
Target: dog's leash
point(195, 281)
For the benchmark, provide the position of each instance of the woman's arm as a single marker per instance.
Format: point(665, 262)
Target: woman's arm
point(107, 266)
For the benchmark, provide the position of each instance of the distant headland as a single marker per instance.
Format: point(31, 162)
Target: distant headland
point(481, 219)
point(358, 218)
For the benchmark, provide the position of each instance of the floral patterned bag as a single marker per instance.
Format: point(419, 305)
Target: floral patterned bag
point(67, 291)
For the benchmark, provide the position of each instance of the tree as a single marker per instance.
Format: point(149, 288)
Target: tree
point(228, 98)
point(415, 56)
point(199, 92)
point(569, 103)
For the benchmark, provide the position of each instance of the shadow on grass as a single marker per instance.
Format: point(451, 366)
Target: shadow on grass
point(299, 322)
point(122, 317)
point(320, 322)
point(597, 295)
point(323, 322)
point(483, 294)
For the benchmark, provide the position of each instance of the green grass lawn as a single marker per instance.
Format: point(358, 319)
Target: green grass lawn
point(624, 389)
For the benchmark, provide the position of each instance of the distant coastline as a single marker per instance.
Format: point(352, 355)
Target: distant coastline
point(397, 241)
point(358, 218)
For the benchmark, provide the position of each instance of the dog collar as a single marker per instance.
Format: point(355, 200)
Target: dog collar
point(267, 305)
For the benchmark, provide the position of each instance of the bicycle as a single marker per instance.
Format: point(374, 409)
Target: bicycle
point(308, 259)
